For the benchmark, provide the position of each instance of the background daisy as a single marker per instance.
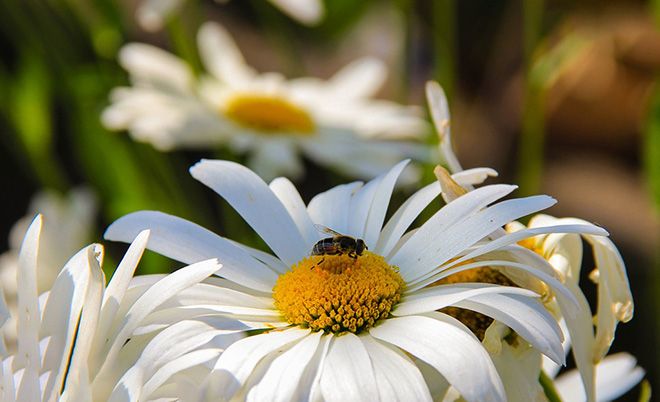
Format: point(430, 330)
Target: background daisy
point(334, 122)
point(76, 339)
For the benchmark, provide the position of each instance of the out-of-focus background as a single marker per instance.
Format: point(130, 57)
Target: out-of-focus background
point(560, 97)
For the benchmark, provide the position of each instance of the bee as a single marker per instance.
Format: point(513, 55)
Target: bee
point(338, 244)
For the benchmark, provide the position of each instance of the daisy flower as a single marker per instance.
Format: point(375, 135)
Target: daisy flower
point(68, 227)
point(362, 324)
point(152, 14)
point(563, 252)
point(615, 303)
point(78, 338)
point(334, 122)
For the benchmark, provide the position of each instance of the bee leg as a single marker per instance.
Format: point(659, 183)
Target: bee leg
point(318, 263)
point(353, 255)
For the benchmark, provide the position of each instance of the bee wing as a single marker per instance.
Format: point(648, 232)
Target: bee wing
point(326, 229)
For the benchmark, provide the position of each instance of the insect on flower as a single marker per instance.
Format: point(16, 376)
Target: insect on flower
point(338, 244)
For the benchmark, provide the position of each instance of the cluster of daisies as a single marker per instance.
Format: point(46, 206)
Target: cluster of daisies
point(468, 305)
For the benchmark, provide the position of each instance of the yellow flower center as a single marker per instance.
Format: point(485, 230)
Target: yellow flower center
point(269, 114)
point(337, 293)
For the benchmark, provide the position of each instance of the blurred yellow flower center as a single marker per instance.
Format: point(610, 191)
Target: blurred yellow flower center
point(269, 114)
point(531, 244)
point(336, 293)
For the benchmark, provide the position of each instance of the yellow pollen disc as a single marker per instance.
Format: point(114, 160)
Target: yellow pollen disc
point(269, 114)
point(336, 293)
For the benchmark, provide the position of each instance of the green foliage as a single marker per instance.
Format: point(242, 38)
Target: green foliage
point(651, 149)
point(30, 113)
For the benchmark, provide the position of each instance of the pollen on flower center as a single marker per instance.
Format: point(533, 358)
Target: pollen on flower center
point(337, 293)
point(268, 113)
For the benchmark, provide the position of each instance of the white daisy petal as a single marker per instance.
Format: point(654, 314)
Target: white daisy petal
point(580, 329)
point(166, 354)
point(270, 260)
point(548, 366)
point(122, 277)
point(224, 295)
point(404, 217)
point(175, 341)
point(347, 371)
point(527, 233)
point(459, 237)
point(360, 79)
point(459, 357)
point(28, 355)
point(524, 315)
point(151, 299)
point(437, 297)
point(257, 204)
point(380, 202)
point(439, 107)
point(517, 363)
point(156, 67)
point(331, 207)
point(187, 242)
point(355, 157)
point(151, 14)
point(308, 12)
point(441, 221)
point(4, 316)
point(292, 201)
point(552, 282)
point(221, 56)
point(177, 365)
point(7, 380)
point(397, 377)
point(615, 375)
point(281, 382)
point(164, 317)
point(272, 158)
point(235, 365)
point(471, 177)
point(613, 292)
point(62, 312)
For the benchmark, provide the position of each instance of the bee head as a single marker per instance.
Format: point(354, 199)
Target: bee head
point(360, 246)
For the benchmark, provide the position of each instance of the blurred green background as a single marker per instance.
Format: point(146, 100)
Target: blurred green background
point(560, 97)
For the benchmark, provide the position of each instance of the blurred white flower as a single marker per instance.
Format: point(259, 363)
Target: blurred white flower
point(68, 227)
point(615, 375)
point(563, 252)
point(335, 122)
point(77, 339)
point(152, 14)
point(368, 322)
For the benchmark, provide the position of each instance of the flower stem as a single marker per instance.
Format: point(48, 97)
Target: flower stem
point(549, 387)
